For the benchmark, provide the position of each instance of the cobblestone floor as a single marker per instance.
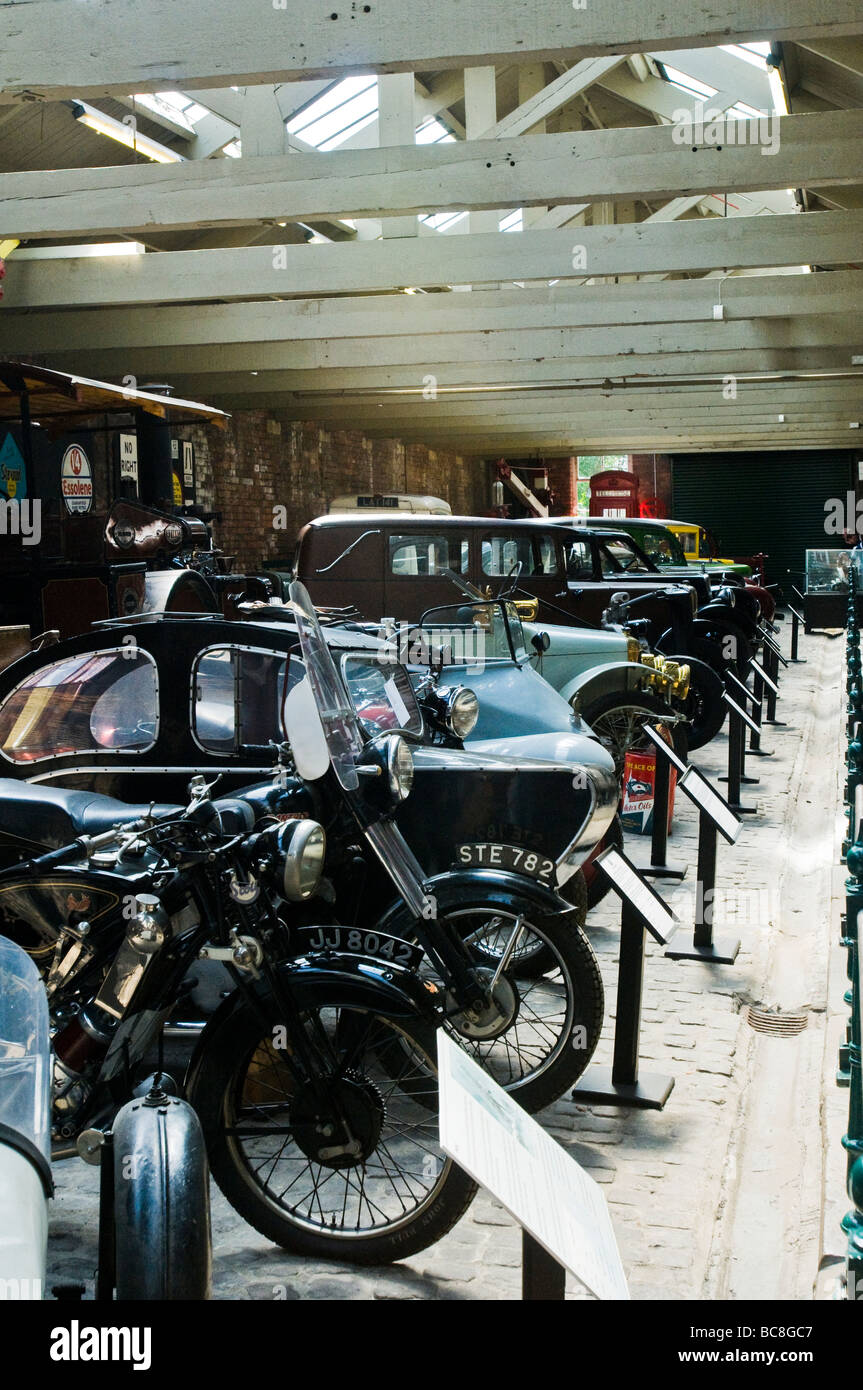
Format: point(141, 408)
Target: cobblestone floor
point(719, 1195)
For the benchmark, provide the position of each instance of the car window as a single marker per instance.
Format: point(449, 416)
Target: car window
point(238, 697)
point(689, 541)
point(579, 561)
point(428, 553)
point(663, 547)
point(535, 554)
point(618, 554)
point(99, 702)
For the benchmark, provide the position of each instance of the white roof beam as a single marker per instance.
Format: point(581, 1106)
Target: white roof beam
point(819, 238)
point(643, 162)
point(125, 47)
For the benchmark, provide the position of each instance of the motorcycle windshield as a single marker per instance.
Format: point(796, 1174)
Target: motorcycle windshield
point(341, 726)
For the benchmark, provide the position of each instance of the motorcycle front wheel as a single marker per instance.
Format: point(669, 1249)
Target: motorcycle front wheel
point(369, 1191)
point(541, 1028)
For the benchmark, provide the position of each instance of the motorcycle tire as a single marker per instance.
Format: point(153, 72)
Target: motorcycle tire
point(239, 1073)
point(705, 707)
point(619, 716)
point(565, 1000)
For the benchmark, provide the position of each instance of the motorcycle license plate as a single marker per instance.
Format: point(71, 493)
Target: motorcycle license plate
point(488, 854)
point(359, 942)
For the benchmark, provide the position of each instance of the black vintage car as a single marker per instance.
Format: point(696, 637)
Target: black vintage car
point(134, 709)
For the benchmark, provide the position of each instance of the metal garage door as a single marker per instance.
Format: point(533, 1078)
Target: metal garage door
point(772, 502)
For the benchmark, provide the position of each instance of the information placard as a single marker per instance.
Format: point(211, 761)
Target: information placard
point(661, 746)
point(627, 882)
point(540, 1184)
point(741, 713)
point(742, 691)
point(707, 799)
point(768, 680)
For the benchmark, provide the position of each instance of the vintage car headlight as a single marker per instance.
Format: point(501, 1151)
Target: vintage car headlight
point(400, 768)
point(633, 649)
point(304, 845)
point(461, 711)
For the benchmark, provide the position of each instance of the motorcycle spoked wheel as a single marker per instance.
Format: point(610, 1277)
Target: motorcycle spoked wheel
point(269, 1152)
point(616, 721)
point(551, 1001)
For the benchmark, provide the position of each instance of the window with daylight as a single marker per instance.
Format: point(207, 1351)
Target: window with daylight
point(586, 466)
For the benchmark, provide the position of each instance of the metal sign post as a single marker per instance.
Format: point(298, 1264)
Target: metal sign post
point(738, 719)
point(642, 910)
point(715, 817)
point(658, 867)
point(796, 621)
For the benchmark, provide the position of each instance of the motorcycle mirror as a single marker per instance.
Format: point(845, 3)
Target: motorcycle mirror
point(305, 732)
point(540, 641)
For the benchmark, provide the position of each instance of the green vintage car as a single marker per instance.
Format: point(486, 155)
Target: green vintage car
point(664, 547)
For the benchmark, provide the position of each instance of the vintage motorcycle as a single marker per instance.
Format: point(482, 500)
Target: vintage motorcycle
point(522, 986)
point(314, 1080)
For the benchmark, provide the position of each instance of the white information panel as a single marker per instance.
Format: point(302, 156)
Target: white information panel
point(742, 690)
point(707, 799)
point(658, 918)
point(508, 1153)
point(665, 748)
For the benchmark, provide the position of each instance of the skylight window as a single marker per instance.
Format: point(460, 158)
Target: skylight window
point(431, 132)
point(754, 53)
point(346, 108)
point(688, 84)
point(175, 105)
point(442, 221)
point(513, 222)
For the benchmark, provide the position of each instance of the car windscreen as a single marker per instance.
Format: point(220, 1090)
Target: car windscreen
point(662, 547)
point(382, 695)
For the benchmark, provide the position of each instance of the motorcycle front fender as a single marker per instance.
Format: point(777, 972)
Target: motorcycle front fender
point(495, 886)
point(335, 979)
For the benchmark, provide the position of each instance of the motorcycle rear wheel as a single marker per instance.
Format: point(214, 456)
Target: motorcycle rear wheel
point(263, 1135)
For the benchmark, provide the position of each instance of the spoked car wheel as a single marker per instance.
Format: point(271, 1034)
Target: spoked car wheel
point(617, 723)
point(543, 1018)
point(345, 1165)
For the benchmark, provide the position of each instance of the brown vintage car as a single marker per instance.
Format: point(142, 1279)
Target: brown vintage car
point(391, 565)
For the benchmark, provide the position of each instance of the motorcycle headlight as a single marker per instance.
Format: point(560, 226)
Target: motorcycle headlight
point(400, 768)
point(304, 845)
point(461, 711)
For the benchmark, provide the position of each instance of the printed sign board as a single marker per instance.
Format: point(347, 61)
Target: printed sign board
point(76, 480)
point(628, 884)
point(707, 799)
point(539, 1183)
point(128, 458)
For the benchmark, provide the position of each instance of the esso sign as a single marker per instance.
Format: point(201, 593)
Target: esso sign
point(76, 480)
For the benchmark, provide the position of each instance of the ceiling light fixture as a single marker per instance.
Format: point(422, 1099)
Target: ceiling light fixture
point(125, 134)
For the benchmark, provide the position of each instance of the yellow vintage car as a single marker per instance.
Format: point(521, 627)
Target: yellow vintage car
point(700, 547)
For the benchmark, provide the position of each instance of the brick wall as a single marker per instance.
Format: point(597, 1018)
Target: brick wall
point(266, 460)
point(654, 473)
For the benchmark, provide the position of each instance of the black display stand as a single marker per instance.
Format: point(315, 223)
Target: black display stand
point(658, 867)
point(796, 620)
point(713, 820)
point(642, 910)
point(741, 694)
point(772, 658)
point(738, 722)
point(542, 1276)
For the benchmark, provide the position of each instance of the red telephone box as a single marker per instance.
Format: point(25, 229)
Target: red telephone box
point(614, 493)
